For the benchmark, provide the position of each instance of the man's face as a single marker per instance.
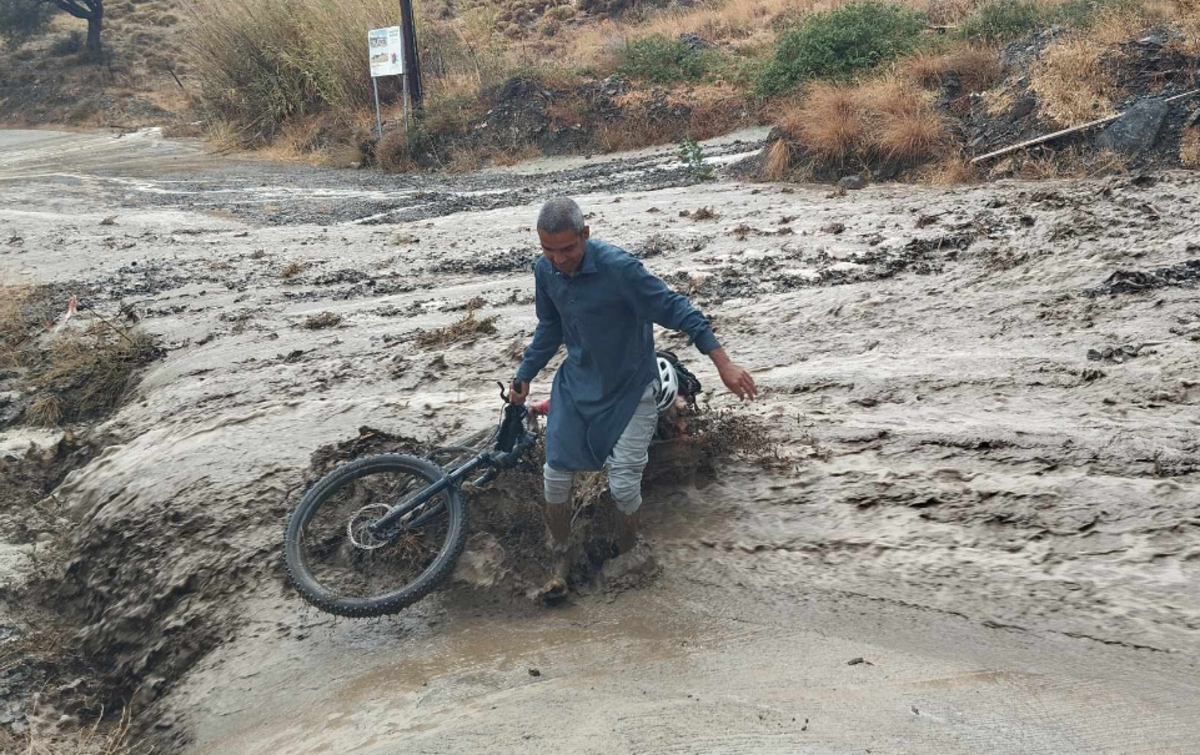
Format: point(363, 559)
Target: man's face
point(564, 249)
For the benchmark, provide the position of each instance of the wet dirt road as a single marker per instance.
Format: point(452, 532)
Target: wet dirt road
point(992, 495)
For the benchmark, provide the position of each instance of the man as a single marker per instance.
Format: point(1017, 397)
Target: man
point(602, 303)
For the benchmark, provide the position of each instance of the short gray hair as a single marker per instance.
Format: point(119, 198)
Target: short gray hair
point(560, 214)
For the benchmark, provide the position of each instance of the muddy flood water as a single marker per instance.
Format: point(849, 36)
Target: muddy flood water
point(982, 535)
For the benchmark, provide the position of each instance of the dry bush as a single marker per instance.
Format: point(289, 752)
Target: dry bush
point(468, 328)
point(14, 324)
point(829, 122)
point(89, 373)
point(520, 154)
point(263, 63)
point(927, 68)
point(1114, 25)
point(1189, 147)
point(465, 158)
point(903, 124)
point(978, 68)
point(44, 411)
point(890, 118)
point(1072, 162)
point(911, 135)
point(291, 270)
point(1072, 84)
point(952, 171)
point(777, 165)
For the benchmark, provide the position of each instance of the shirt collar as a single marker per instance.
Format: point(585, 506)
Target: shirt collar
point(588, 266)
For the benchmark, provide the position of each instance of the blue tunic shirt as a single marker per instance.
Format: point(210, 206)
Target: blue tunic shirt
point(604, 314)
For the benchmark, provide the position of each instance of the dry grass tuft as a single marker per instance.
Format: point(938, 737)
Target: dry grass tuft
point(45, 411)
point(890, 118)
point(87, 374)
point(912, 135)
point(394, 153)
point(778, 163)
point(926, 68)
point(1115, 25)
point(829, 122)
point(115, 738)
point(1071, 163)
point(14, 324)
point(521, 154)
point(1072, 84)
point(321, 321)
point(291, 270)
point(952, 171)
point(1189, 147)
point(468, 328)
point(978, 68)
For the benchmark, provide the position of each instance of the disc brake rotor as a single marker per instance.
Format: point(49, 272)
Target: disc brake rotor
point(357, 527)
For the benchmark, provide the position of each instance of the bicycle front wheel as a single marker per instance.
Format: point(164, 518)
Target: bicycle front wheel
point(339, 567)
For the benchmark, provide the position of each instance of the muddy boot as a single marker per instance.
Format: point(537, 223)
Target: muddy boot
point(558, 528)
point(627, 531)
point(634, 563)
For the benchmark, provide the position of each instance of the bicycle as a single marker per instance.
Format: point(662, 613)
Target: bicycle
point(369, 525)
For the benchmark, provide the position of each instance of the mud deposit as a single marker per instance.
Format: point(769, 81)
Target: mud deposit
point(1003, 527)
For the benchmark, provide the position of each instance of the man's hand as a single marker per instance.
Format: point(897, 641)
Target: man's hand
point(518, 392)
point(739, 382)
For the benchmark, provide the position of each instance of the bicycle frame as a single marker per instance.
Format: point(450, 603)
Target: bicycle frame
point(511, 442)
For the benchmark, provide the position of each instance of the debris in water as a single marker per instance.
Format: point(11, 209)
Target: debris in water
point(468, 328)
point(322, 321)
point(1185, 273)
point(534, 672)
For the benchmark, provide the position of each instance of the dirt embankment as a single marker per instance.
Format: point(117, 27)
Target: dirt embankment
point(981, 395)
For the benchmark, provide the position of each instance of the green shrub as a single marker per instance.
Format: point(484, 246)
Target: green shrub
point(1001, 21)
point(661, 60)
point(840, 43)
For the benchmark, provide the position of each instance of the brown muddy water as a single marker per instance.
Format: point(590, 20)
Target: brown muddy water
point(986, 399)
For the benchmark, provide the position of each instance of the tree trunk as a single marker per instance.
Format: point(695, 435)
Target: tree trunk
point(95, 23)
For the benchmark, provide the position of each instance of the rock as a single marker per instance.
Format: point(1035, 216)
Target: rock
point(1023, 107)
point(1136, 130)
point(694, 42)
point(852, 183)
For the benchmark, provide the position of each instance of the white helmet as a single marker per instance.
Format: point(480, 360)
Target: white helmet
point(668, 385)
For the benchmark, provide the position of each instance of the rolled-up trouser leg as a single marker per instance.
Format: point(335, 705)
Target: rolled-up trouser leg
point(632, 452)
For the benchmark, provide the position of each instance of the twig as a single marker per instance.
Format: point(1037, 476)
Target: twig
point(114, 328)
point(1065, 131)
point(171, 71)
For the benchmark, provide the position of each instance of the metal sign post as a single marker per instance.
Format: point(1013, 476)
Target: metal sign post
point(378, 116)
point(386, 50)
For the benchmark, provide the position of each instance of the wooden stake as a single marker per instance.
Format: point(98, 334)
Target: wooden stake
point(1065, 131)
